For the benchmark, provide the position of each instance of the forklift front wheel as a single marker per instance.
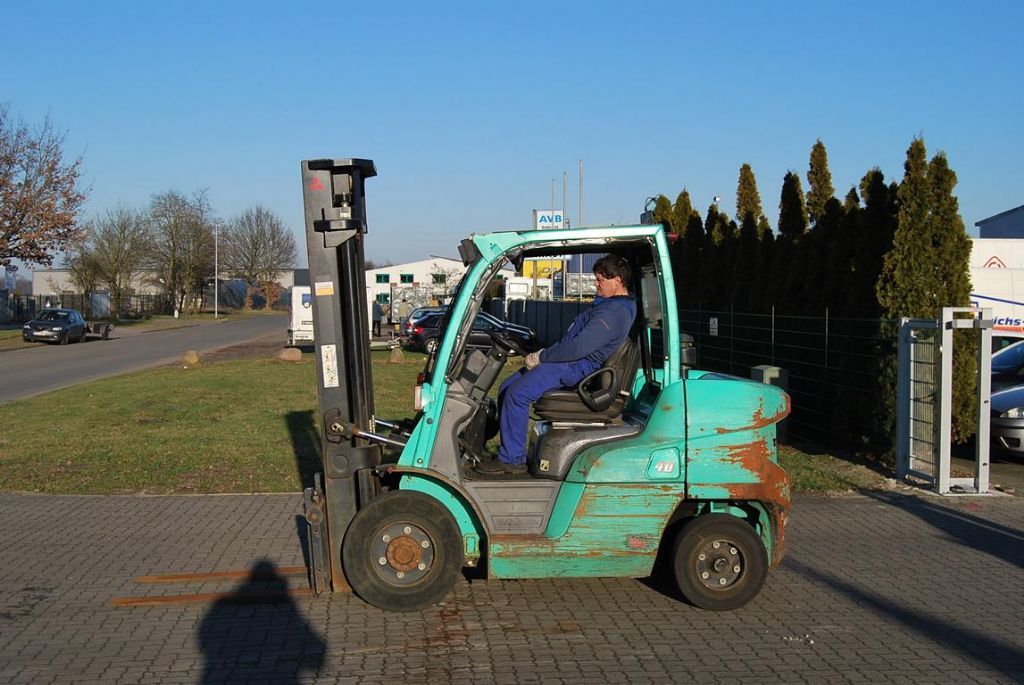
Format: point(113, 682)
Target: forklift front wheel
point(403, 551)
point(720, 563)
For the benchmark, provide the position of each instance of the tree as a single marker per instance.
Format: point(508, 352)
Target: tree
point(927, 267)
point(257, 249)
point(788, 287)
point(792, 210)
point(118, 245)
point(751, 271)
point(39, 193)
point(748, 201)
point(83, 269)
point(819, 183)
point(663, 214)
point(687, 251)
point(182, 253)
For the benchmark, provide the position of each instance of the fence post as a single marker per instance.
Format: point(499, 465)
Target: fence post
point(732, 333)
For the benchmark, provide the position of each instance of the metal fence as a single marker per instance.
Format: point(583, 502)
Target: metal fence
point(20, 308)
point(839, 369)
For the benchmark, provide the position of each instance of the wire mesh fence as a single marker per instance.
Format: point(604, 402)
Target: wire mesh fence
point(841, 371)
point(21, 308)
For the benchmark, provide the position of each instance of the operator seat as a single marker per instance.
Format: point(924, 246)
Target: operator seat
point(598, 398)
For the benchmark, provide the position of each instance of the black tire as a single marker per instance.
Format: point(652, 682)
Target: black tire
point(719, 562)
point(418, 541)
point(430, 346)
point(63, 340)
point(83, 336)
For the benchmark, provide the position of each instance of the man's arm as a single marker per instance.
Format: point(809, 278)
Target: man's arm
point(608, 324)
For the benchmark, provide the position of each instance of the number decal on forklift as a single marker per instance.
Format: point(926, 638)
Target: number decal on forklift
point(665, 467)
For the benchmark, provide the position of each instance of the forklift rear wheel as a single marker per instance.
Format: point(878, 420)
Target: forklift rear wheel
point(720, 563)
point(402, 552)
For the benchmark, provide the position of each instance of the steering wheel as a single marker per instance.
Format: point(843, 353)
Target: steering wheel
point(507, 344)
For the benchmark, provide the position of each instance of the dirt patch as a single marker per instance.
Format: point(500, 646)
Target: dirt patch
point(261, 348)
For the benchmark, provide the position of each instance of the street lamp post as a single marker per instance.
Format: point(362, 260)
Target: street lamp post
point(216, 269)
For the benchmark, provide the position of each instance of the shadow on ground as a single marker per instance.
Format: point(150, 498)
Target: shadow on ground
point(305, 445)
point(257, 633)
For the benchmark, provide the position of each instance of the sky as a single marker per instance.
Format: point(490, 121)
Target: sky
point(471, 110)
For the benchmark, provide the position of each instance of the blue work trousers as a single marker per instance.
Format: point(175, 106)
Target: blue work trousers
point(522, 389)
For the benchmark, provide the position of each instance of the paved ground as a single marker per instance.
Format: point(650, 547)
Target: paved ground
point(890, 588)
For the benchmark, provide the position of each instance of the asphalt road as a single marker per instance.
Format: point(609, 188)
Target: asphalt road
point(31, 371)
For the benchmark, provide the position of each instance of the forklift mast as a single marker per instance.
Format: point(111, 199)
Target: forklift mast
point(335, 216)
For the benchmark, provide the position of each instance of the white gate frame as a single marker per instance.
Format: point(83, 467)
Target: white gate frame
point(941, 480)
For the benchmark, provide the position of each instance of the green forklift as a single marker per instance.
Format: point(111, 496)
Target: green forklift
point(647, 459)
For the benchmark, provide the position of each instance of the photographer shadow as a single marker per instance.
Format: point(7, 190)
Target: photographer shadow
point(257, 633)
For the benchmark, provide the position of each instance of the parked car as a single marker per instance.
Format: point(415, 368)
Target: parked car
point(417, 315)
point(56, 325)
point(426, 334)
point(1007, 359)
point(1007, 425)
point(1007, 404)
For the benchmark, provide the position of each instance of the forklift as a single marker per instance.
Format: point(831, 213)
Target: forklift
point(645, 460)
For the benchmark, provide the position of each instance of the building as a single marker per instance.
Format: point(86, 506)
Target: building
point(1008, 224)
point(421, 283)
point(58, 282)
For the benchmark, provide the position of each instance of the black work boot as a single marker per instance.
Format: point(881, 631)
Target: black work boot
point(498, 467)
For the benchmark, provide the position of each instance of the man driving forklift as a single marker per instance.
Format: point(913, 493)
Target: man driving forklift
point(594, 335)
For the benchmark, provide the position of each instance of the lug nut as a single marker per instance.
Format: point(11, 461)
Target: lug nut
point(382, 561)
point(425, 544)
point(386, 538)
point(732, 550)
point(722, 581)
point(716, 544)
point(422, 567)
point(736, 569)
point(705, 575)
point(407, 530)
point(702, 556)
point(401, 574)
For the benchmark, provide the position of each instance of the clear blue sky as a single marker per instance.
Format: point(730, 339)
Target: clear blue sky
point(471, 109)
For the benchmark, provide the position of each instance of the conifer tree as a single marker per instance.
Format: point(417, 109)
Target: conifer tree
point(687, 251)
point(927, 267)
point(788, 288)
point(748, 199)
point(663, 213)
point(748, 267)
point(875, 227)
point(819, 183)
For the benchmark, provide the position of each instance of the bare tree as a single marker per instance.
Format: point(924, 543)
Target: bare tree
point(83, 269)
point(119, 245)
point(258, 248)
point(182, 252)
point(39, 194)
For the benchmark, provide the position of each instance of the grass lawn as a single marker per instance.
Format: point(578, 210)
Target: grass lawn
point(231, 426)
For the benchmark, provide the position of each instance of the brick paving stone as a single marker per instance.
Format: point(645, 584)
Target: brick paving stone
point(883, 588)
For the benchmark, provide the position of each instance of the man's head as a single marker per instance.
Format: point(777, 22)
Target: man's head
point(613, 275)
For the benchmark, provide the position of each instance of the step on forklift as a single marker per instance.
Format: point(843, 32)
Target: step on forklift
point(647, 459)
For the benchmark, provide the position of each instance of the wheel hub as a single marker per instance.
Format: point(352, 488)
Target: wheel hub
point(402, 554)
point(719, 564)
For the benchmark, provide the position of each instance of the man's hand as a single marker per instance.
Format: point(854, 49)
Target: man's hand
point(533, 360)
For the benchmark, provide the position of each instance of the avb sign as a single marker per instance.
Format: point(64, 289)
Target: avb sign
point(548, 218)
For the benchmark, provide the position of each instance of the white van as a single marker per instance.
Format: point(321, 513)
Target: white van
point(300, 320)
